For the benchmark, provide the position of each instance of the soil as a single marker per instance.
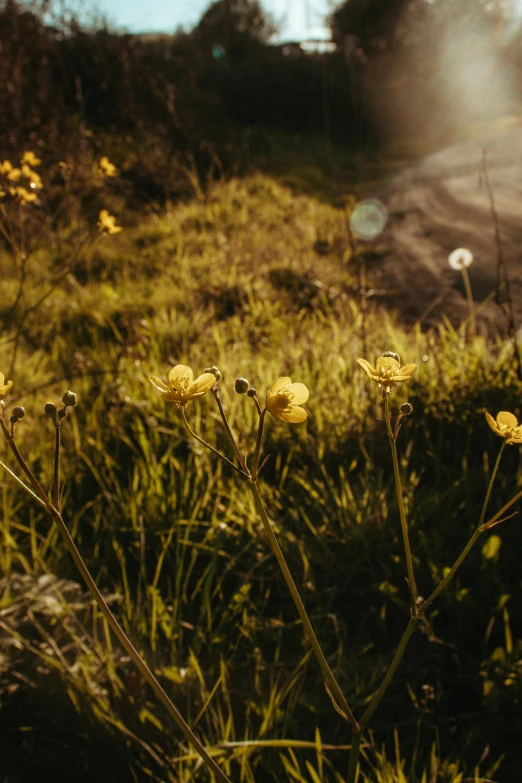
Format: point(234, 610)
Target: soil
point(442, 203)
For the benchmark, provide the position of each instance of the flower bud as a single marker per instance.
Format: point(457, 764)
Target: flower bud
point(405, 409)
point(50, 409)
point(214, 370)
point(252, 392)
point(18, 413)
point(241, 385)
point(69, 399)
point(62, 413)
point(392, 355)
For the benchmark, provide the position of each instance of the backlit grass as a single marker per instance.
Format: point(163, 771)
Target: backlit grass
point(260, 282)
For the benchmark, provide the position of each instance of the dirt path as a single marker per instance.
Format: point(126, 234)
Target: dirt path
point(442, 203)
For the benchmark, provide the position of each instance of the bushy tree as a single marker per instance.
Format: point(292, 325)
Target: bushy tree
point(235, 26)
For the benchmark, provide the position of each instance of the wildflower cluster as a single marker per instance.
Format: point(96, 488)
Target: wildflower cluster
point(22, 182)
point(107, 223)
point(283, 398)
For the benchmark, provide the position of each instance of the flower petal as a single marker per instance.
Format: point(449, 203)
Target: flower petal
point(367, 367)
point(158, 383)
point(281, 383)
point(203, 384)
point(404, 374)
point(293, 415)
point(492, 423)
point(300, 393)
point(180, 372)
point(506, 419)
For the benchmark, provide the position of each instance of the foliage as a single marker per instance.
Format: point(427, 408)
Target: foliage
point(261, 282)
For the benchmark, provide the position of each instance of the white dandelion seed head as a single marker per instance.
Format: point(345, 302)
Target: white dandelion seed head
point(460, 258)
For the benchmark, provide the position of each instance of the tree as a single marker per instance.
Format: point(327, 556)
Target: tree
point(380, 25)
point(235, 26)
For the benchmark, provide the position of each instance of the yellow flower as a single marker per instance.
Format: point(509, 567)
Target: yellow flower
point(283, 399)
point(31, 159)
point(5, 388)
point(107, 223)
point(388, 371)
point(181, 387)
point(22, 194)
point(32, 176)
point(6, 167)
point(506, 426)
point(13, 174)
point(106, 167)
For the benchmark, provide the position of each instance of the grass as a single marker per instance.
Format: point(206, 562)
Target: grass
point(259, 281)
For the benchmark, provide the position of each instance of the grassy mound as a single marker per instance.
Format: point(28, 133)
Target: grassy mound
point(262, 283)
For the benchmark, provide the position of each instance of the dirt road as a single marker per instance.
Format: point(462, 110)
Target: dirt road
point(442, 203)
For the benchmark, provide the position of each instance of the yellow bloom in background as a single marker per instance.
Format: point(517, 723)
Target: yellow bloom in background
point(22, 195)
point(6, 167)
point(181, 387)
point(13, 174)
point(31, 159)
point(5, 388)
point(32, 176)
point(107, 223)
point(387, 371)
point(106, 167)
point(283, 399)
point(506, 426)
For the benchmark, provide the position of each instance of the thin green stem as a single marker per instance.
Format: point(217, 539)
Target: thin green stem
point(354, 755)
point(490, 485)
point(259, 439)
point(134, 654)
point(211, 448)
point(113, 623)
point(471, 304)
point(19, 481)
point(493, 521)
point(389, 674)
point(327, 672)
point(402, 513)
point(451, 573)
point(215, 392)
point(39, 490)
point(478, 530)
point(56, 471)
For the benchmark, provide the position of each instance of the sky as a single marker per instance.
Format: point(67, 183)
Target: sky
point(297, 19)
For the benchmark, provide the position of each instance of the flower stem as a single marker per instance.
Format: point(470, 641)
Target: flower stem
point(354, 755)
point(327, 672)
point(211, 448)
point(471, 304)
point(111, 620)
point(56, 472)
point(490, 485)
point(259, 438)
point(215, 392)
point(391, 671)
point(404, 524)
point(478, 530)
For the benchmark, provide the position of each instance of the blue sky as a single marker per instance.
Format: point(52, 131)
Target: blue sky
point(298, 19)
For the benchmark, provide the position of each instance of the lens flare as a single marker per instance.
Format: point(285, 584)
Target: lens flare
point(368, 218)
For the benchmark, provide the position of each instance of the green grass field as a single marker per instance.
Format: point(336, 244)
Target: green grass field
point(260, 281)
